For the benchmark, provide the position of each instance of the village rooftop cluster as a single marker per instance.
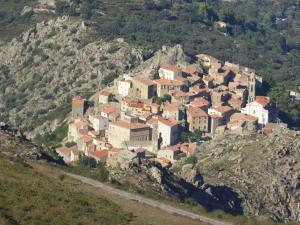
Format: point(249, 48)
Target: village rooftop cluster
point(147, 113)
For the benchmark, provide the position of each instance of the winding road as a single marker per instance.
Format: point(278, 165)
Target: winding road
point(147, 201)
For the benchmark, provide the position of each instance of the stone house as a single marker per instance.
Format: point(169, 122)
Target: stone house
point(197, 119)
point(105, 97)
point(201, 103)
point(84, 144)
point(240, 122)
point(144, 86)
point(171, 111)
point(171, 153)
point(99, 123)
point(121, 132)
point(224, 111)
point(78, 107)
point(111, 112)
point(74, 129)
point(164, 86)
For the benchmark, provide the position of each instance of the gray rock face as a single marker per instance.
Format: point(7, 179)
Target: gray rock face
point(263, 171)
point(44, 67)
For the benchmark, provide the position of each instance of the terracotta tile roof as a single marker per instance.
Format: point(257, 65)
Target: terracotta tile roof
point(166, 82)
point(216, 116)
point(196, 112)
point(223, 109)
point(262, 100)
point(128, 125)
point(179, 93)
point(80, 123)
point(207, 57)
point(116, 150)
point(194, 78)
point(190, 69)
point(78, 101)
point(99, 154)
point(109, 110)
point(171, 107)
point(168, 122)
point(145, 80)
point(170, 67)
point(208, 78)
point(63, 150)
point(105, 93)
point(242, 117)
point(152, 120)
point(164, 162)
point(271, 127)
point(136, 105)
point(200, 102)
point(85, 139)
point(181, 79)
point(188, 148)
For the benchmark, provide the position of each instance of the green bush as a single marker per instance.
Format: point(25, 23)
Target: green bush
point(113, 49)
point(191, 160)
point(69, 53)
point(109, 78)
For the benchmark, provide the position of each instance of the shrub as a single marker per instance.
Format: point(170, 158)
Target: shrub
point(52, 33)
point(103, 58)
point(70, 144)
point(93, 76)
point(69, 53)
point(191, 160)
point(28, 62)
point(92, 59)
point(109, 78)
point(113, 49)
point(87, 162)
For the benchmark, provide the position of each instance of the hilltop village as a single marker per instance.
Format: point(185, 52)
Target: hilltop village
point(167, 113)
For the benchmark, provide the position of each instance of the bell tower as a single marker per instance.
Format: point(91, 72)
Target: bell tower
point(251, 87)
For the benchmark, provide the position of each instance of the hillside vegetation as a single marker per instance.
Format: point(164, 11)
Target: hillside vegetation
point(263, 35)
point(27, 197)
point(260, 34)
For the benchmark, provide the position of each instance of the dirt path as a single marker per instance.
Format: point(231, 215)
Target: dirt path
point(149, 202)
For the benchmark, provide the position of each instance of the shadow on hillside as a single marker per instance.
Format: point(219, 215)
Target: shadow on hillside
point(211, 197)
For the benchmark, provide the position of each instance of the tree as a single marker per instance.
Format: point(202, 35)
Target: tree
point(87, 162)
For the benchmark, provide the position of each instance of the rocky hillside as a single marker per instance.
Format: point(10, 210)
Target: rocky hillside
point(263, 170)
point(42, 69)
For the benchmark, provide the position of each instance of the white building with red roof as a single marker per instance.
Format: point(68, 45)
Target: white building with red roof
point(263, 109)
point(105, 96)
point(167, 132)
point(170, 72)
point(99, 156)
point(99, 123)
point(68, 154)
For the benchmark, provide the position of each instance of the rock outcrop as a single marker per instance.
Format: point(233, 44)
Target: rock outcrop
point(263, 170)
point(46, 66)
